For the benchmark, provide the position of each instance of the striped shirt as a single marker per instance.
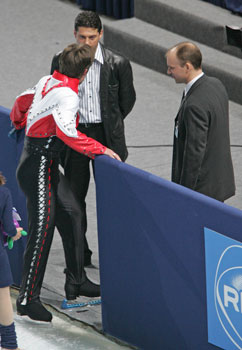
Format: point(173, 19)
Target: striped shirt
point(89, 105)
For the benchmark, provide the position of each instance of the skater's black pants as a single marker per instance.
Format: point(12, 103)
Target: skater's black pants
point(38, 177)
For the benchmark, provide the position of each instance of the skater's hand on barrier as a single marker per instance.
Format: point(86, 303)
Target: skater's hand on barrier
point(18, 234)
point(112, 154)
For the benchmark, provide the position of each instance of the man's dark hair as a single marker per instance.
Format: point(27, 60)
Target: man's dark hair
point(88, 19)
point(74, 59)
point(188, 52)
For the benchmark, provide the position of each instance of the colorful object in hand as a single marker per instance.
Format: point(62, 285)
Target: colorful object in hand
point(9, 240)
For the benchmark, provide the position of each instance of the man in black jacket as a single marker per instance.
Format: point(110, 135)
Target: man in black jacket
point(107, 95)
point(201, 150)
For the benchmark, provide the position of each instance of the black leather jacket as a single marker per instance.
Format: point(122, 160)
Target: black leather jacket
point(117, 97)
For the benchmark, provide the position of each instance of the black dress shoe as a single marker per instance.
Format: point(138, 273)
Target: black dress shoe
point(34, 310)
point(74, 287)
point(87, 288)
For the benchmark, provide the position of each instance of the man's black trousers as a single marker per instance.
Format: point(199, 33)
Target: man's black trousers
point(77, 171)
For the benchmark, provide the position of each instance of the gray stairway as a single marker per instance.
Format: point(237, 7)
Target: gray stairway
point(157, 26)
point(193, 19)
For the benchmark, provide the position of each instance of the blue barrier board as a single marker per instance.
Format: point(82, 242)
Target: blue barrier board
point(224, 290)
point(153, 264)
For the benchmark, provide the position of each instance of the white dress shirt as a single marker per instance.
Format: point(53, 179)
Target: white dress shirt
point(89, 98)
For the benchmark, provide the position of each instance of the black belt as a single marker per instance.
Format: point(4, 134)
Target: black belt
point(89, 125)
point(48, 146)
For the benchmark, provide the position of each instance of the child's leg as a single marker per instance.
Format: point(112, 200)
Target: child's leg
point(7, 328)
point(6, 309)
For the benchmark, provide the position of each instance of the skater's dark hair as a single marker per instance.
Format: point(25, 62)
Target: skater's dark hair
point(74, 59)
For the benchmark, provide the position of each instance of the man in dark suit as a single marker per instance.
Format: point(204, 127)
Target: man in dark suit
point(107, 96)
point(201, 149)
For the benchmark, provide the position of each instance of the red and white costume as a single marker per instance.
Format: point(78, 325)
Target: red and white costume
point(50, 109)
point(49, 114)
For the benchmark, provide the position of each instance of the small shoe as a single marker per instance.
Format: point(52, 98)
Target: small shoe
point(89, 289)
point(34, 310)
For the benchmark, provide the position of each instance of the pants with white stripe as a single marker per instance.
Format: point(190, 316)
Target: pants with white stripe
point(37, 175)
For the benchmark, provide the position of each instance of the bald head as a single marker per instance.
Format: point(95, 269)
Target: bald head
point(188, 52)
point(184, 62)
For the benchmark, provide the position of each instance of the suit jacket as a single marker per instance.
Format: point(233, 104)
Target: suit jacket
point(201, 150)
point(117, 97)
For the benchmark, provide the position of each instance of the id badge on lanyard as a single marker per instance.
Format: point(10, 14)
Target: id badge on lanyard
point(176, 129)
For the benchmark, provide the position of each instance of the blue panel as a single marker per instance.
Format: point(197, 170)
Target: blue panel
point(9, 158)
point(152, 258)
point(224, 290)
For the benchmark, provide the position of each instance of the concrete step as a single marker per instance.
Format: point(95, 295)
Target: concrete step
point(147, 44)
point(193, 19)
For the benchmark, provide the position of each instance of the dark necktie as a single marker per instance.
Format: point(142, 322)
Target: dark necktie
point(183, 97)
